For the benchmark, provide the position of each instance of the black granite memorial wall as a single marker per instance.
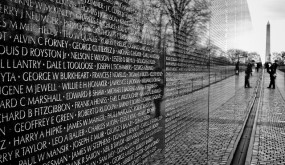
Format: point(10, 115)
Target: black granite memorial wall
point(106, 82)
point(74, 90)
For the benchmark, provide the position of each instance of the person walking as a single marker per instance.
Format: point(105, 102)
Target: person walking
point(272, 72)
point(248, 72)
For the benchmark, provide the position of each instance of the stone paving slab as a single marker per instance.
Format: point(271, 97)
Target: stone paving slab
point(269, 140)
point(199, 145)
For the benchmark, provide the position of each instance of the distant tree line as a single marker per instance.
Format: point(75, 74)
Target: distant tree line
point(280, 56)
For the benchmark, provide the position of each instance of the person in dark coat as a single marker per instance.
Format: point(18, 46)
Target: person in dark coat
point(237, 68)
point(248, 72)
point(257, 66)
point(272, 72)
point(267, 66)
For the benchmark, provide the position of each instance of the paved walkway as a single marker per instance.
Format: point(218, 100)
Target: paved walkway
point(269, 140)
point(207, 135)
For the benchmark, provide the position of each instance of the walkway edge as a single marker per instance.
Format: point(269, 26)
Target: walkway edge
point(243, 127)
point(282, 74)
point(252, 137)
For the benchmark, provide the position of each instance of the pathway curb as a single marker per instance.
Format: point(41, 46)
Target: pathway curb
point(243, 126)
point(252, 137)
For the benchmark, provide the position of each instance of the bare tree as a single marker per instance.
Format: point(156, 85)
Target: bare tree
point(188, 19)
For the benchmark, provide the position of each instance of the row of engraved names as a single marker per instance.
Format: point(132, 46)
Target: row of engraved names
point(128, 77)
point(20, 89)
point(49, 127)
point(95, 8)
point(139, 152)
point(70, 3)
point(117, 16)
point(85, 108)
point(114, 143)
point(122, 26)
point(13, 102)
point(122, 136)
point(124, 142)
point(109, 29)
point(201, 68)
point(74, 32)
point(140, 64)
point(122, 48)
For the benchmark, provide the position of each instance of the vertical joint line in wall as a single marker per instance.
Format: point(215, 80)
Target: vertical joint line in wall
point(209, 74)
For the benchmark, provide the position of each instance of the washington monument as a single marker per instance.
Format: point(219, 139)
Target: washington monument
point(267, 51)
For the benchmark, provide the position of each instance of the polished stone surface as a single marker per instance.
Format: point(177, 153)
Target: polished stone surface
point(228, 102)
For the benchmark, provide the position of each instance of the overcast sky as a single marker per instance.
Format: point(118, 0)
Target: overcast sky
point(263, 11)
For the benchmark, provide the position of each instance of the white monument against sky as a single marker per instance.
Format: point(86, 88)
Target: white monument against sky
point(267, 51)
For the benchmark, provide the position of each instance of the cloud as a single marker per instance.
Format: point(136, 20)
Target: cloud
point(272, 9)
